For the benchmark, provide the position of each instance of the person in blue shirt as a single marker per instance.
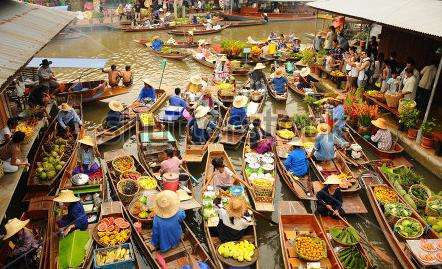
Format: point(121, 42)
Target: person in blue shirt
point(76, 217)
point(201, 126)
point(279, 82)
point(297, 162)
point(166, 227)
point(176, 100)
point(238, 113)
point(157, 43)
point(324, 149)
point(68, 120)
point(115, 117)
point(147, 93)
point(329, 198)
point(339, 120)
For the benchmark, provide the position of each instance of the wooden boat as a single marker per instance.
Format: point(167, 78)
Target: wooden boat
point(400, 248)
point(175, 257)
point(277, 97)
point(213, 241)
point(246, 23)
point(387, 154)
point(200, 31)
point(294, 218)
point(147, 29)
point(178, 44)
point(346, 154)
point(177, 55)
point(231, 137)
point(300, 92)
point(89, 93)
point(104, 135)
point(243, 71)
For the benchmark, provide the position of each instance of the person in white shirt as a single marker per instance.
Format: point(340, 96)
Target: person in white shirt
point(6, 132)
point(424, 88)
point(410, 82)
point(410, 64)
point(362, 68)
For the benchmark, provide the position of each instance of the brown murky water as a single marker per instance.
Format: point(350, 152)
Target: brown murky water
point(119, 48)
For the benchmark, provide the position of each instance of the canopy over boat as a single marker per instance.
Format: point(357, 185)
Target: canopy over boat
point(70, 63)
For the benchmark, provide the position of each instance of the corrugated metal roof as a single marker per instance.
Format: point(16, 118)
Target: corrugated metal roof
point(423, 16)
point(24, 30)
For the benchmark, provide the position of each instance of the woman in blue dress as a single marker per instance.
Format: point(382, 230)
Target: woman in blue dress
point(76, 217)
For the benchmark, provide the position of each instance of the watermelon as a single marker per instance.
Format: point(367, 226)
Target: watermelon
point(119, 220)
point(102, 227)
point(123, 225)
point(110, 228)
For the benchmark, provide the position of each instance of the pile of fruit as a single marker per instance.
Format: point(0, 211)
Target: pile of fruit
point(147, 183)
point(134, 175)
point(27, 129)
point(351, 258)
point(52, 162)
point(435, 223)
point(435, 205)
point(255, 52)
point(113, 231)
point(208, 207)
point(285, 133)
point(375, 93)
point(385, 194)
point(263, 183)
point(142, 208)
point(129, 187)
point(123, 164)
point(347, 236)
point(147, 119)
point(409, 228)
point(119, 254)
point(397, 210)
point(226, 89)
point(337, 73)
point(310, 248)
point(240, 251)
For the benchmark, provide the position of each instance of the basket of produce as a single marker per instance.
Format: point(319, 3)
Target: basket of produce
point(285, 134)
point(122, 256)
point(351, 257)
point(406, 105)
point(111, 231)
point(147, 183)
point(376, 95)
point(127, 189)
point(385, 194)
point(285, 122)
point(420, 194)
point(123, 164)
point(392, 99)
point(310, 130)
point(142, 207)
point(395, 211)
point(134, 175)
point(310, 248)
point(238, 254)
point(256, 96)
point(27, 129)
point(226, 89)
point(409, 228)
point(433, 206)
point(347, 236)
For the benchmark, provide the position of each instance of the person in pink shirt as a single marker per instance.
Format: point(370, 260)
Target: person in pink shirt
point(223, 177)
point(171, 164)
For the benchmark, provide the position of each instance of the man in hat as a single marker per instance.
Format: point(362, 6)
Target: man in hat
point(46, 76)
point(382, 136)
point(280, 82)
point(201, 126)
point(297, 161)
point(329, 198)
point(127, 76)
point(115, 118)
point(157, 43)
point(147, 93)
point(238, 113)
point(303, 79)
point(324, 149)
point(113, 75)
point(76, 217)
point(257, 78)
point(68, 119)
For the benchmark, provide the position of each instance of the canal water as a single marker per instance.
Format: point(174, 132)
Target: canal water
point(120, 49)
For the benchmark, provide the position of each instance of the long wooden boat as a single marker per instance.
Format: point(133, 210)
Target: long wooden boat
point(217, 151)
point(243, 71)
point(230, 137)
point(398, 244)
point(174, 258)
point(388, 154)
point(104, 135)
point(294, 219)
point(174, 56)
point(246, 23)
point(291, 85)
point(277, 97)
point(184, 32)
point(89, 93)
point(178, 44)
point(147, 29)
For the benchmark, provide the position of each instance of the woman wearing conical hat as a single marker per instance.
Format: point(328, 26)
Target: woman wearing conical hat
point(329, 201)
point(232, 225)
point(86, 155)
point(202, 125)
point(382, 136)
point(324, 149)
point(76, 217)
point(238, 113)
point(68, 120)
point(257, 78)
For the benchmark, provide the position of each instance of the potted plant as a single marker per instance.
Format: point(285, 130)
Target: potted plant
point(309, 59)
point(427, 133)
point(409, 120)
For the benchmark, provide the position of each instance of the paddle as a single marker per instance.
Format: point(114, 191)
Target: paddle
point(193, 262)
point(263, 216)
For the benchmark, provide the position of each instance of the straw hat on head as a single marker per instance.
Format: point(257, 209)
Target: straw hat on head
point(160, 10)
point(240, 101)
point(116, 106)
point(279, 72)
point(146, 81)
point(223, 58)
point(305, 71)
point(64, 107)
point(87, 140)
point(66, 196)
point(13, 226)
point(336, 180)
point(236, 207)
point(201, 111)
point(381, 123)
point(297, 143)
point(196, 79)
point(323, 128)
point(259, 66)
point(167, 204)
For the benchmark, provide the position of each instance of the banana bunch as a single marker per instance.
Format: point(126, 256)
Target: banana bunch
point(112, 256)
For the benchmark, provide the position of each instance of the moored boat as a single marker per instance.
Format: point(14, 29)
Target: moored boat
point(174, 55)
point(147, 29)
point(278, 97)
point(242, 71)
point(229, 136)
point(178, 44)
point(184, 32)
point(90, 90)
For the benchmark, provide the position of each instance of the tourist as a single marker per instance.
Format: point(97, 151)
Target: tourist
point(377, 68)
point(11, 153)
point(386, 75)
point(46, 77)
point(238, 113)
point(425, 85)
point(336, 51)
point(372, 48)
point(258, 80)
point(24, 251)
point(86, 155)
point(201, 126)
point(393, 83)
point(260, 140)
point(166, 226)
point(331, 35)
point(329, 198)
point(68, 119)
point(382, 136)
point(351, 59)
point(157, 43)
point(410, 64)
point(324, 149)
point(297, 160)
point(222, 176)
point(39, 96)
point(410, 84)
point(265, 17)
point(280, 82)
point(113, 76)
point(76, 217)
point(147, 93)
point(171, 164)
point(208, 99)
point(6, 132)
point(232, 223)
point(176, 100)
point(363, 68)
point(127, 76)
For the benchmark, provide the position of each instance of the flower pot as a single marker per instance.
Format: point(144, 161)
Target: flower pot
point(427, 141)
point(412, 133)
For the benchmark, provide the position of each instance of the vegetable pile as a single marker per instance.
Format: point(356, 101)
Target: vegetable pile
point(112, 256)
point(310, 248)
point(420, 194)
point(53, 160)
point(409, 227)
point(147, 119)
point(123, 164)
point(397, 210)
point(346, 236)
point(240, 251)
point(351, 258)
point(385, 194)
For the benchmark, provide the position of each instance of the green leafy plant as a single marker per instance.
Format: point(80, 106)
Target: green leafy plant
point(310, 100)
point(308, 56)
point(409, 118)
point(302, 120)
point(72, 249)
point(365, 120)
point(428, 127)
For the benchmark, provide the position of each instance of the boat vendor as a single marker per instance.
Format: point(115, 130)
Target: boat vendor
point(86, 155)
point(208, 24)
point(238, 113)
point(46, 76)
point(329, 201)
point(260, 140)
point(113, 76)
point(257, 78)
point(76, 217)
point(157, 43)
point(202, 125)
point(209, 100)
point(176, 100)
point(39, 96)
point(382, 136)
point(222, 176)
point(115, 118)
point(280, 82)
point(147, 93)
point(265, 17)
point(194, 19)
point(297, 161)
point(6, 132)
point(11, 153)
point(166, 227)
point(324, 149)
point(303, 79)
point(339, 119)
point(171, 164)
point(232, 225)
point(22, 244)
point(68, 119)
point(127, 76)
point(220, 65)
point(171, 41)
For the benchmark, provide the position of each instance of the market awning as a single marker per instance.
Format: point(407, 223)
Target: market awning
point(70, 62)
point(24, 30)
point(419, 16)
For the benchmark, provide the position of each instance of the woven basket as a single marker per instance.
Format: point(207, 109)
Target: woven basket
point(286, 124)
point(408, 238)
point(97, 238)
point(419, 202)
point(129, 158)
point(124, 197)
point(402, 109)
point(2, 171)
point(428, 210)
point(135, 199)
point(392, 100)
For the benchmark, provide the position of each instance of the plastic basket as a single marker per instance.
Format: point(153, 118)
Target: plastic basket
point(127, 264)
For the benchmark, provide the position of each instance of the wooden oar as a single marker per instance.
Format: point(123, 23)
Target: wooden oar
point(263, 216)
point(190, 175)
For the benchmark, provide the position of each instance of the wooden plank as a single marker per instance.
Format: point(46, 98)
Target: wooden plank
point(267, 207)
point(190, 204)
point(111, 208)
point(292, 208)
